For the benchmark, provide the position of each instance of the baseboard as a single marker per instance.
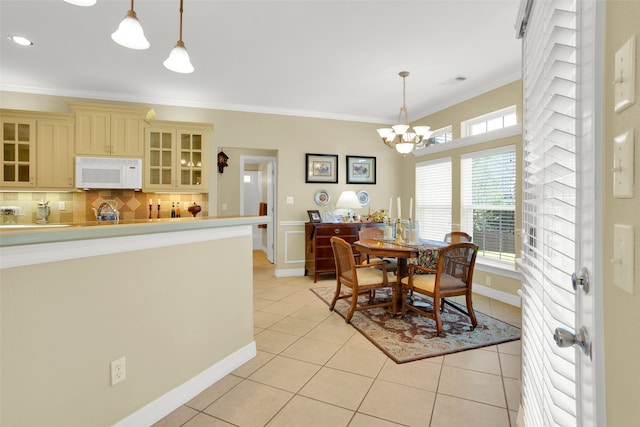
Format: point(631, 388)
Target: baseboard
point(497, 295)
point(172, 400)
point(289, 272)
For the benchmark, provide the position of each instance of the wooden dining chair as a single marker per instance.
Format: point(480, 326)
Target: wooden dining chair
point(369, 233)
point(360, 278)
point(457, 237)
point(452, 276)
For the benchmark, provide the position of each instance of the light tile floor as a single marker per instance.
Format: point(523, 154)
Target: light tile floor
point(313, 369)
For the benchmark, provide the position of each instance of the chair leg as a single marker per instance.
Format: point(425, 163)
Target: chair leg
point(472, 315)
point(436, 312)
point(352, 308)
point(403, 298)
point(335, 297)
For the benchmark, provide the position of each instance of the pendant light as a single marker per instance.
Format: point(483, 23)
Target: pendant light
point(129, 33)
point(403, 137)
point(178, 59)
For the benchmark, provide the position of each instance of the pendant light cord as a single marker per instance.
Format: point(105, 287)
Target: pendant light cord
point(180, 19)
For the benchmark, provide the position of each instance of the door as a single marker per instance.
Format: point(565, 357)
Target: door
point(251, 198)
point(271, 198)
point(561, 219)
point(268, 185)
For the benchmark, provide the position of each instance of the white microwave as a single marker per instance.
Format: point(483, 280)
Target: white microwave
point(108, 172)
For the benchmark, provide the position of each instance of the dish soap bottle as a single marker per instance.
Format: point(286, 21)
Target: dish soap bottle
point(173, 210)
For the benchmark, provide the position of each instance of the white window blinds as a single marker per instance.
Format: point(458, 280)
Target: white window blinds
point(489, 201)
point(433, 198)
point(549, 196)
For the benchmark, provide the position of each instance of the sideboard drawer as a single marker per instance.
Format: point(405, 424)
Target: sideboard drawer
point(340, 230)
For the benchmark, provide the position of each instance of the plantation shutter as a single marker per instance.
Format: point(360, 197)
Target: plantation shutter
point(489, 201)
point(433, 198)
point(549, 200)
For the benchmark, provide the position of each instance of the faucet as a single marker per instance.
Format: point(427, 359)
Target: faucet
point(10, 212)
point(107, 211)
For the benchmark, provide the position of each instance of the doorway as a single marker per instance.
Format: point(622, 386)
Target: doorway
point(257, 185)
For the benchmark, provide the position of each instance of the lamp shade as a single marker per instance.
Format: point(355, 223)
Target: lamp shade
point(130, 34)
point(348, 200)
point(178, 59)
point(404, 147)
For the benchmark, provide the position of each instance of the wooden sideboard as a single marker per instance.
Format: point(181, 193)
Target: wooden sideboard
point(318, 253)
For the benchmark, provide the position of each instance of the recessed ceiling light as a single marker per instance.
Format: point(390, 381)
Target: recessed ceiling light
point(20, 40)
point(82, 2)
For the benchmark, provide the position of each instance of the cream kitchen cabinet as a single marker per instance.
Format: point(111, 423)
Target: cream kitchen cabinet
point(54, 153)
point(109, 130)
point(18, 151)
point(37, 150)
point(177, 157)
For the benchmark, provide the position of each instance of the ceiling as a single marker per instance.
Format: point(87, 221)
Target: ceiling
point(335, 59)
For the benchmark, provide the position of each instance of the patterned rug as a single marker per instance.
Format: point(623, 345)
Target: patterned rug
point(413, 337)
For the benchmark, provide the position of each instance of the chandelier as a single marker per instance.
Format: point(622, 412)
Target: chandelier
point(402, 136)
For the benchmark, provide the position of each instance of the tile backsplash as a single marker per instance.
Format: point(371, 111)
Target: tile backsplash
point(78, 204)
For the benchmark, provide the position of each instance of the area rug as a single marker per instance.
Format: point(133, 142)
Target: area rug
point(413, 337)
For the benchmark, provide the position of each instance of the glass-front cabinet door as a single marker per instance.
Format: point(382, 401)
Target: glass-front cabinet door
point(191, 159)
point(176, 158)
point(18, 152)
point(159, 171)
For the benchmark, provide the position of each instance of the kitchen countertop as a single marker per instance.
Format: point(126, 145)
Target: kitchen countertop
point(49, 233)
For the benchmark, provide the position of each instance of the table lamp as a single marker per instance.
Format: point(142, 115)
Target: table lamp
point(348, 200)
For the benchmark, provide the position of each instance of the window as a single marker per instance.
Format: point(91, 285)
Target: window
point(441, 136)
point(489, 201)
point(489, 122)
point(433, 198)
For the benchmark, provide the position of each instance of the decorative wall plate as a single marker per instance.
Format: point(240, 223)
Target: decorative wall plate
point(363, 197)
point(322, 198)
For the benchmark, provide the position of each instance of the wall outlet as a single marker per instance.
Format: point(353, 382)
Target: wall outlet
point(118, 371)
point(487, 281)
point(62, 206)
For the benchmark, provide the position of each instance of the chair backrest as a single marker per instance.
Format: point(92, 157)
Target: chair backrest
point(343, 254)
point(370, 233)
point(458, 260)
point(457, 237)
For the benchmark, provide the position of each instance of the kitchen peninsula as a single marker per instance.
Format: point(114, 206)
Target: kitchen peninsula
point(173, 297)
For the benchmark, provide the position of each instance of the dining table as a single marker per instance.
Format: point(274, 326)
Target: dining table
point(402, 251)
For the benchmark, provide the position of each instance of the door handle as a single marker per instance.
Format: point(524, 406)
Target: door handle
point(581, 279)
point(565, 338)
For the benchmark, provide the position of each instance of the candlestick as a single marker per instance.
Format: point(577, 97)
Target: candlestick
point(150, 207)
point(399, 208)
point(158, 209)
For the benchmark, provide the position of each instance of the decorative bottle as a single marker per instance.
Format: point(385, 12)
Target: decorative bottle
point(173, 210)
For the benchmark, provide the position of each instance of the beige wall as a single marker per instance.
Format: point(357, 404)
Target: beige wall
point(290, 137)
point(505, 96)
point(166, 310)
point(621, 310)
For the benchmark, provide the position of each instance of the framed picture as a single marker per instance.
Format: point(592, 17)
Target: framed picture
point(361, 170)
point(314, 216)
point(321, 168)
